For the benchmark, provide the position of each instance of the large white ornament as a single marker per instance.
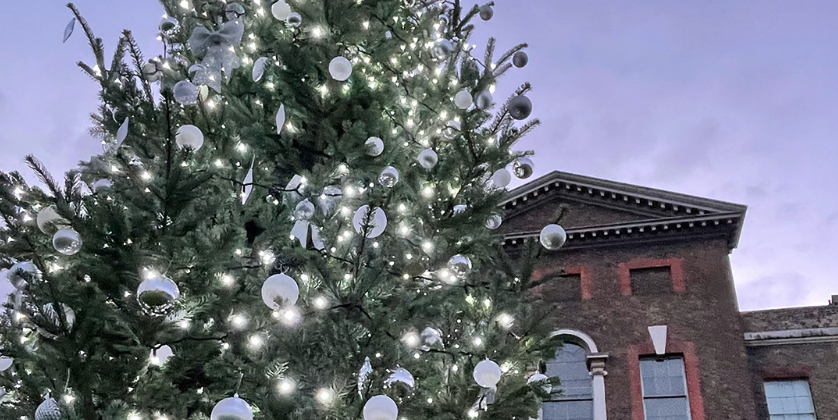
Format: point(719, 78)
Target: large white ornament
point(487, 374)
point(5, 363)
point(122, 133)
point(67, 241)
point(281, 10)
point(48, 218)
point(48, 410)
point(160, 356)
point(463, 99)
point(233, 408)
point(552, 237)
point(376, 224)
point(428, 159)
point(340, 68)
point(375, 146)
point(189, 136)
point(157, 294)
point(185, 93)
point(540, 377)
point(280, 119)
point(381, 407)
point(501, 178)
point(100, 184)
point(280, 290)
point(259, 68)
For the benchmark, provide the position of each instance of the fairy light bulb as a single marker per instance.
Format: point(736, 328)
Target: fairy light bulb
point(286, 386)
point(324, 396)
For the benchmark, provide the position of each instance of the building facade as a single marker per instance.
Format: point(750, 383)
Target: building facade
point(645, 302)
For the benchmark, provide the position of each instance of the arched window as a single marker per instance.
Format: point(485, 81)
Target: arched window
point(573, 399)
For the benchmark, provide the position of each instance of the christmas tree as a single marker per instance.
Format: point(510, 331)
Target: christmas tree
point(294, 217)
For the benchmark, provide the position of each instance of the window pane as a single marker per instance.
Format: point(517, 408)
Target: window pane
point(666, 409)
point(662, 377)
point(568, 410)
point(789, 400)
point(570, 365)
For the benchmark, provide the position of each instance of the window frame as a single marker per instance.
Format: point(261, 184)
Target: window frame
point(686, 395)
point(804, 380)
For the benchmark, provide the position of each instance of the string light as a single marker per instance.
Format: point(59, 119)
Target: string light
point(325, 396)
point(286, 386)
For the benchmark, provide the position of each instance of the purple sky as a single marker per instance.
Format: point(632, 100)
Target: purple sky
point(736, 101)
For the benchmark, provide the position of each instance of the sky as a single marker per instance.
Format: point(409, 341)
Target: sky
point(736, 101)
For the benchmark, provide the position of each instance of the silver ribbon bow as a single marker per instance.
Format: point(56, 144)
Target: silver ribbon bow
point(218, 52)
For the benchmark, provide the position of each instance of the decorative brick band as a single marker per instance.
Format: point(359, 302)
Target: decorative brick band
point(676, 266)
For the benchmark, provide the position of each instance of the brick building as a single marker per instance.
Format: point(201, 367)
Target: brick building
point(648, 310)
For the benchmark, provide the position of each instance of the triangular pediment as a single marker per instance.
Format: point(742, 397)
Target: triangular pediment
point(596, 206)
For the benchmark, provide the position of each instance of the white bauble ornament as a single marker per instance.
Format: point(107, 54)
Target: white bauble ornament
point(100, 184)
point(259, 68)
point(487, 374)
point(463, 99)
point(520, 107)
point(428, 159)
point(552, 237)
point(48, 218)
point(157, 294)
point(5, 363)
point(19, 271)
point(280, 290)
point(67, 241)
point(389, 177)
point(501, 178)
point(486, 12)
point(540, 377)
point(281, 10)
point(294, 19)
point(189, 136)
point(376, 222)
point(185, 93)
point(442, 49)
point(494, 222)
point(374, 145)
point(381, 407)
point(48, 410)
point(523, 168)
point(233, 408)
point(340, 68)
point(160, 356)
point(484, 100)
point(459, 265)
point(520, 59)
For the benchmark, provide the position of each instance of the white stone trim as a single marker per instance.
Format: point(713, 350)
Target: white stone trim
point(796, 336)
point(586, 339)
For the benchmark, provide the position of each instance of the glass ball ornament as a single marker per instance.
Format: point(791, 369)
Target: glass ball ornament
point(459, 265)
point(401, 376)
point(189, 136)
point(67, 241)
point(428, 159)
point(233, 408)
point(280, 290)
point(294, 19)
point(168, 26)
point(101, 184)
point(486, 12)
point(520, 59)
point(494, 222)
point(381, 407)
point(185, 93)
point(374, 146)
point(520, 107)
point(376, 222)
point(6, 363)
point(22, 273)
point(501, 178)
point(442, 49)
point(48, 219)
point(487, 374)
point(389, 177)
point(463, 99)
point(429, 337)
point(281, 10)
point(48, 410)
point(552, 237)
point(304, 210)
point(484, 100)
point(340, 68)
point(157, 294)
point(234, 11)
point(523, 168)
point(539, 378)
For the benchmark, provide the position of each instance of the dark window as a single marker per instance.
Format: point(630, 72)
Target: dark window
point(573, 398)
point(563, 288)
point(664, 389)
point(651, 281)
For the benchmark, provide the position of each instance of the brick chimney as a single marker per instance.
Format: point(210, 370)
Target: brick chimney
point(834, 300)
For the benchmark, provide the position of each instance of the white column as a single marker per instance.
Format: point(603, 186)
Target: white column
point(596, 363)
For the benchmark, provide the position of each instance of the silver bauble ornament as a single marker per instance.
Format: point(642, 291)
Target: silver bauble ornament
point(67, 241)
point(6, 363)
point(520, 59)
point(294, 19)
point(459, 265)
point(168, 26)
point(484, 100)
point(376, 222)
point(442, 49)
point(463, 99)
point(234, 11)
point(401, 376)
point(381, 407)
point(48, 410)
point(494, 222)
point(304, 210)
point(541, 378)
point(429, 337)
point(189, 136)
point(523, 168)
point(487, 374)
point(233, 408)
point(22, 273)
point(281, 10)
point(520, 107)
point(101, 184)
point(48, 219)
point(280, 290)
point(157, 294)
point(552, 237)
point(340, 68)
point(486, 12)
point(389, 177)
point(374, 146)
point(185, 93)
point(428, 159)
